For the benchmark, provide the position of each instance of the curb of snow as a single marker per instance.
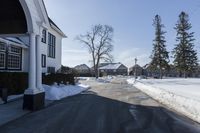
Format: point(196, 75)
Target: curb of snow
point(186, 106)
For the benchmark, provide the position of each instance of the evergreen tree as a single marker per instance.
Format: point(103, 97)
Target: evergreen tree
point(185, 57)
point(160, 57)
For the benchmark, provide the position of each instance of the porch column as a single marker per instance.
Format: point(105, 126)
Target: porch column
point(32, 66)
point(34, 98)
point(39, 65)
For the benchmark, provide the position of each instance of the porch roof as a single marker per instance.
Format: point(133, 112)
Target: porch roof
point(14, 41)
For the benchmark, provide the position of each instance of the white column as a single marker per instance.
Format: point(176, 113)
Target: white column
point(32, 66)
point(38, 64)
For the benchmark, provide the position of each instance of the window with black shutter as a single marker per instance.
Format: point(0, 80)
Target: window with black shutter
point(43, 60)
point(44, 36)
point(51, 45)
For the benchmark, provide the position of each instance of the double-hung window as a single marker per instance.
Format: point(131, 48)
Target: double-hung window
point(2, 55)
point(43, 60)
point(10, 57)
point(14, 57)
point(51, 45)
point(44, 36)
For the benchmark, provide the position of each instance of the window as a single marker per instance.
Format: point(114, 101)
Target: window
point(43, 60)
point(10, 57)
point(14, 57)
point(2, 60)
point(51, 70)
point(14, 61)
point(51, 45)
point(44, 36)
point(2, 55)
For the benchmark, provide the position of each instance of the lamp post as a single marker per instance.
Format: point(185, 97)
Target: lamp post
point(135, 67)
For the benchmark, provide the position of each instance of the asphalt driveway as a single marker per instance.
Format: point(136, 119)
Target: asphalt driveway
point(107, 108)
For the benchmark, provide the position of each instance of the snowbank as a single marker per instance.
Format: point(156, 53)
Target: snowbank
point(182, 95)
point(106, 79)
point(56, 92)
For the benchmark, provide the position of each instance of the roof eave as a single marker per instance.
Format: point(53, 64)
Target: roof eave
point(58, 30)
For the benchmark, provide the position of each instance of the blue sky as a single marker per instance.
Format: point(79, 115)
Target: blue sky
point(132, 22)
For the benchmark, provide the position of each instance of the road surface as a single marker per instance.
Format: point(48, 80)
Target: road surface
point(107, 108)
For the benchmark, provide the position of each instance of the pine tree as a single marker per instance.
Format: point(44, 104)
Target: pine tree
point(160, 57)
point(185, 57)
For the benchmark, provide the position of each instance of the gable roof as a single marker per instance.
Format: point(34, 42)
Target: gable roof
point(50, 21)
point(113, 66)
point(55, 27)
point(81, 67)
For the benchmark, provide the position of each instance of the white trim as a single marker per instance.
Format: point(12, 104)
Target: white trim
point(28, 16)
point(58, 30)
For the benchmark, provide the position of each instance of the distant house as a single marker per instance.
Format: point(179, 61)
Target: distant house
point(113, 69)
point(83, 70)
point(136, 68)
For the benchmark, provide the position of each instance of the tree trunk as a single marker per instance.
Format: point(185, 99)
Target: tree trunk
point(161, 74)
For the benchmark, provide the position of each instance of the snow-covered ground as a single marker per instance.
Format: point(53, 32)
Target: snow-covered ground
point(184, 87)
point(56, 92)
point(182, 95)
point(11, 98)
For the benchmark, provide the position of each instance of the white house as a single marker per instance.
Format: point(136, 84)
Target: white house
point(29, 42)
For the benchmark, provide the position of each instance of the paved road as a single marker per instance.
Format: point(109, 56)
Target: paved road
point(107, 108)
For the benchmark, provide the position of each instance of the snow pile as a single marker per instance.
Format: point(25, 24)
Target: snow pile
point(56, 92)
point(83, 78)
point(182, 95)
point(106, 79)
point(131, 81)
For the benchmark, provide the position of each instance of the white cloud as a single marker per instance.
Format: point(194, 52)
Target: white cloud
point(127, 57)
point(73, 57)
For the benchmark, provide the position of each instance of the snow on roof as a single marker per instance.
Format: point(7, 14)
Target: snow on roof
point(111, 66)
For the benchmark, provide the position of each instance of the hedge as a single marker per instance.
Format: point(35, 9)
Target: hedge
point(58, 78)
point(17, 82)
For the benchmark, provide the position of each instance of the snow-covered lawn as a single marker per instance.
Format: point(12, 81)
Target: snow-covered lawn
point(182, 95)
point(56, 92)
point(189, 88)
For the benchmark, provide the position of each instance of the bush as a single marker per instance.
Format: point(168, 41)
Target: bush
point(58, 78)
point(15, 82)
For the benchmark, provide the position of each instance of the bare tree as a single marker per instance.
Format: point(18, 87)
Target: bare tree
point(99, 43)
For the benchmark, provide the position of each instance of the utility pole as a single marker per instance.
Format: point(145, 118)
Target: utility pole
point(136, 67)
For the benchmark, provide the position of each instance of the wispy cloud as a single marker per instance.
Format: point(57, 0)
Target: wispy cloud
point(127, 57)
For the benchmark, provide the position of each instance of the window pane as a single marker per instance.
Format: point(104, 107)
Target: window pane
point(51, 45)
point(2, 60)
point(44, 36)
point(2, 46)
point(14, 49)
point(14, 61)
point(43, 60)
